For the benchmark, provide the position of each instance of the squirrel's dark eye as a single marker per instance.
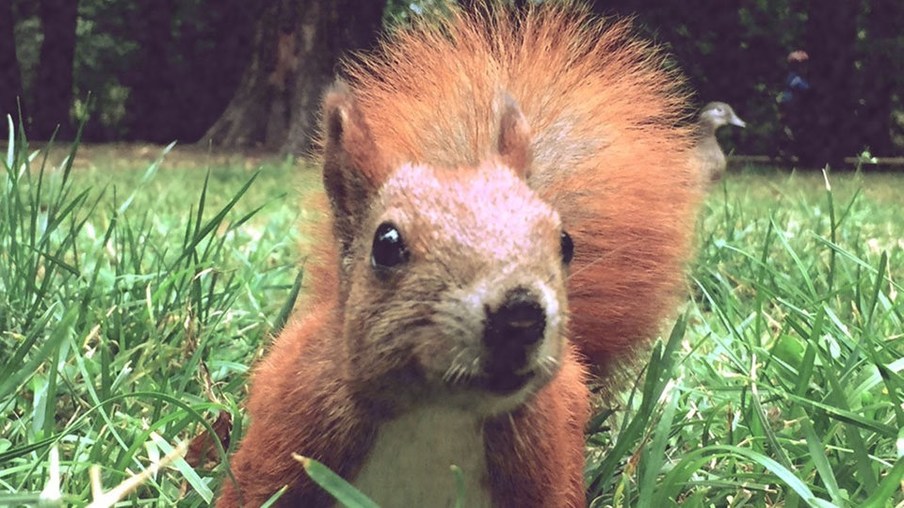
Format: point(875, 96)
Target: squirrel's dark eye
point(567, 248)
point(389, 249)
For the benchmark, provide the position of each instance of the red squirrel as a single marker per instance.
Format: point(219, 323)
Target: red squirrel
point(511, 201)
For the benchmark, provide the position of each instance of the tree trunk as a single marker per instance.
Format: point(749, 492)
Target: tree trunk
point(10, 77)
point(53, 83)
point(296, 46)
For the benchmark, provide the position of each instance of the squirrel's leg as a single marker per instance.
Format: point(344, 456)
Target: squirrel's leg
point(296, 406)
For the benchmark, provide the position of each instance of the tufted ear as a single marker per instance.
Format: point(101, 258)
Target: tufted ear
point(353, 168)
point(514, 140)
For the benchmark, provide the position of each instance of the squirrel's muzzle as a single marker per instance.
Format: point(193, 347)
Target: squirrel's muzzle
point(511, 332)
point(518, 323)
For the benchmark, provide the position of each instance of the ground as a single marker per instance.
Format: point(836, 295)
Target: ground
point(134, 295)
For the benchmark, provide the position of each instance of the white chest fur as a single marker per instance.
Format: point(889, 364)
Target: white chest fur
point(410, 463)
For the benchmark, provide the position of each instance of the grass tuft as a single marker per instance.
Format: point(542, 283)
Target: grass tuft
point(119, 334)
point(787, 386)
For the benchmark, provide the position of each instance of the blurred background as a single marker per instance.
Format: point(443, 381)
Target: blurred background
point(248, 75)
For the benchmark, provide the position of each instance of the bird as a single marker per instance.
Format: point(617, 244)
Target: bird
point(708, 153)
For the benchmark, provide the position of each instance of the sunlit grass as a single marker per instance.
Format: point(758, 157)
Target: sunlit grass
point(131, 304)
point(137, 289)
point(785, 389)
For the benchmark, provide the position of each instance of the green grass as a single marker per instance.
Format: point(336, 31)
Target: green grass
point(785, 387)
point(131, 304)
point(134, 295)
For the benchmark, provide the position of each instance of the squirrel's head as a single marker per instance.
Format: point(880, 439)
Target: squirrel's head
point(452, 279)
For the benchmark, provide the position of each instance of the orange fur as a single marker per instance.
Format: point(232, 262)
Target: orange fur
point(580, 110)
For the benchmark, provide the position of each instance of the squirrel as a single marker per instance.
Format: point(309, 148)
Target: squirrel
point(511, 203)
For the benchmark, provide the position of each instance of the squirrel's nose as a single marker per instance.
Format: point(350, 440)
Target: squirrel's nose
point(518, 323)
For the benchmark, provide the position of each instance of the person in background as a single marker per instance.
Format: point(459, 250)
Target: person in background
point(794, 114)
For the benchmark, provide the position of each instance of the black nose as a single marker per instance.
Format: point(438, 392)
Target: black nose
point(517, 324)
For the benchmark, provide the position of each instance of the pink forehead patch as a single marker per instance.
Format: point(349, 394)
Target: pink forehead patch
point(487, 209)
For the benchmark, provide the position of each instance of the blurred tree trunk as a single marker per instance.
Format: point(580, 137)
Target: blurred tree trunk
point(10, 77)
point(53, 84)
point(151, 109)
point(831, 40)
point(296, 45)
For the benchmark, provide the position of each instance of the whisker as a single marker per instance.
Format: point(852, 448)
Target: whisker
point(599, 259)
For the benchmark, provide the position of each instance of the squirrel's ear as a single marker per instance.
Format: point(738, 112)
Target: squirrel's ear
point(352, 166)
point(514, 140)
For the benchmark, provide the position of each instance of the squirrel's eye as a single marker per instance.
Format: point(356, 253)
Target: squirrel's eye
point(389, 249)
point(567, 248)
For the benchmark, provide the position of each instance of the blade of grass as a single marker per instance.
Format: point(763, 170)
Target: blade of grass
point(341, 490)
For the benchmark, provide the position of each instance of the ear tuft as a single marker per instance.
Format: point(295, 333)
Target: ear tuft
point(514, 138)
point(336, 103)
point(353, 167)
